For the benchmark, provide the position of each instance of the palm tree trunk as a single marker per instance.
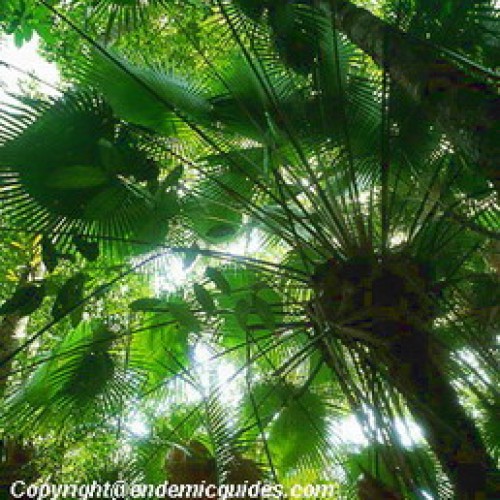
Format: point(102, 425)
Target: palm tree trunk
point(408, 365)
point(414, 370)
point(465, 108)
point(389, 307)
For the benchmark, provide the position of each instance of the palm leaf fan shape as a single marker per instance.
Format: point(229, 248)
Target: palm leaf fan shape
point(159, 348)
point(73, 169)
point(121, 16)
point(298, 29)
point(78, 383)
point(162, 99)
point(291, 419)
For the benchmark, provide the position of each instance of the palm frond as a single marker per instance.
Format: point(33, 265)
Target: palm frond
point(80, 383)
point(73, 169)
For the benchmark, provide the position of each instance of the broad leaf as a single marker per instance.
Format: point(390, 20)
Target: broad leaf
point(70, 298)
point(25, 300)
point(204, 297)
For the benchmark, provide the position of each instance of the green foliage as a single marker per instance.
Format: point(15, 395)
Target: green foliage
point(204, 297)
point(50, 255)
point(295, 420)
point(26, 300)
point(159, 349)
point(23, 18)
point(252, 305)
point(89, 250)
point(70, 299)
point(72, 386)
point(218, 278)
point(361, 462)
point(467, 28)
point(315, 230)
point(81, 176)
point(214, 213)
point(148, 97)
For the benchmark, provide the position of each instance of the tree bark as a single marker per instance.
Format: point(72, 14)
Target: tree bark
point(465, 108)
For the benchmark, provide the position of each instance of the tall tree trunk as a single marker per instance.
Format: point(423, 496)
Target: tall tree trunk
point(414, 370)
point(389, 308)
point(450, 432)
point(465, 108)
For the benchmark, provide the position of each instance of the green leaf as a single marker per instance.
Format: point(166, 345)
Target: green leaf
point(176, 307)
point(252, 8)
point(110, 157)
point(90, 250)
point(147, 304)
point(152, 231)
point(185, 317)
point(70, 294)
point(204, 297)
point(77, 177)
point(49, 254)
point(145, 96)
point(190, 256)
point(46, 34)
point(18, 39)
point(219, 280)
point(105, 202)
point(294, 420)
point(492, 427)
point(215, 213)
point(246, 285)
point(215, 224)
point(268, 398)
point(91, 376)
point(159, 349)
point(222, 231)
point(300, 430)
point(265, 312)
point(241, 312)
point(175, 176)
point(362, 461)
point(76, 378)
point(167, 205)
point(24, 301)
point(102, 338)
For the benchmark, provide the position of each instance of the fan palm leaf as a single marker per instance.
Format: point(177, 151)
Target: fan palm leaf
point(73, 170)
